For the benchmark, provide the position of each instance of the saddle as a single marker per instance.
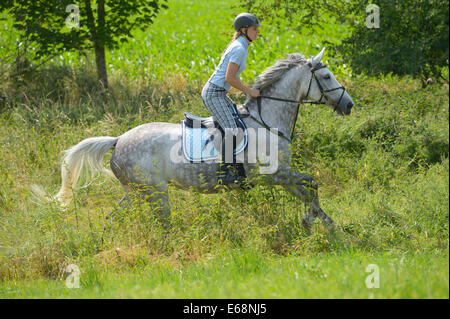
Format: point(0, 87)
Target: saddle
point(202, 137)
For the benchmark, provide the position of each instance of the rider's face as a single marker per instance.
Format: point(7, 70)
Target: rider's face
point(252, 32)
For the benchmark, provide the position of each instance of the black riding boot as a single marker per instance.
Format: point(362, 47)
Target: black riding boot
point(230, 172)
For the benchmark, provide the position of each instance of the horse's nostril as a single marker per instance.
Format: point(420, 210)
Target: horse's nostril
point(350, 105)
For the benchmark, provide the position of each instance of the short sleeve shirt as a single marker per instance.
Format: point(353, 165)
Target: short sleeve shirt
point(236, 53)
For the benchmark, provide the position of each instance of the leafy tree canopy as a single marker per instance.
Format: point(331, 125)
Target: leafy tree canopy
point(412, 36)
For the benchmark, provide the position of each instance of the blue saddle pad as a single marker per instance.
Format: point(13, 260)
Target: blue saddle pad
point(198, 144)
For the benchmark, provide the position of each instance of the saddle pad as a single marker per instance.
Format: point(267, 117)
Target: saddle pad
point(197, 146)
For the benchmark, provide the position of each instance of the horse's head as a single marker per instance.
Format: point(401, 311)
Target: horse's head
point(322, 86)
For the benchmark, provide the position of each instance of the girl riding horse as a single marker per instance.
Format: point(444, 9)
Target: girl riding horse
point(214, 93)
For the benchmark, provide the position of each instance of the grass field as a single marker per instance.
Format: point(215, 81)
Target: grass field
point(383, 174)
point(246, 274)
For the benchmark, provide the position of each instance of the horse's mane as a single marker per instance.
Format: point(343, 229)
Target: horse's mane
point(276, 71)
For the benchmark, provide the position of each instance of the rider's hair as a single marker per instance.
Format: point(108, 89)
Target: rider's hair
point(236, 35)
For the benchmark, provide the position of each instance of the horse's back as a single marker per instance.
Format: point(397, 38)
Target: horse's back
point(151, 154)
point(143, 150)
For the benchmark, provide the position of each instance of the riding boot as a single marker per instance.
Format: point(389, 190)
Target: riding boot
point(230, 172)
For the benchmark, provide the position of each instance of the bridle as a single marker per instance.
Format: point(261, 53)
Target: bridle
point(323, 95)
point(322, 91)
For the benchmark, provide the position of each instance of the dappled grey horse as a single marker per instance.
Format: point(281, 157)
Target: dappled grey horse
point(149, 156)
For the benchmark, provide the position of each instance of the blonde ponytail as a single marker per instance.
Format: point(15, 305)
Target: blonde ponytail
point(236, 35)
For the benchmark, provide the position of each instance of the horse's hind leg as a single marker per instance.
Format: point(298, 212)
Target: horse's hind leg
point(159, 201)
point(158, 198)
point(123, 204)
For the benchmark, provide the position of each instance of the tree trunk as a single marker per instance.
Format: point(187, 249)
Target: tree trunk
point(100, 46)
point(97, 33)
point(100, 61)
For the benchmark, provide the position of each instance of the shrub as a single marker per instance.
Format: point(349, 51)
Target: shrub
point(412, 39)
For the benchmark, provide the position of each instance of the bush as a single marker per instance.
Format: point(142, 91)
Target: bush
point(412, 39)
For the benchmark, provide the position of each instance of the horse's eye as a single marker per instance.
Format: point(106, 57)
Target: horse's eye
point(327, 77)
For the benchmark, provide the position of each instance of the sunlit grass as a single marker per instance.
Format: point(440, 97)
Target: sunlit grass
point(244, 274)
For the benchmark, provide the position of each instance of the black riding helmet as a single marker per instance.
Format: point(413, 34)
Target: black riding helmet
point(245, 20)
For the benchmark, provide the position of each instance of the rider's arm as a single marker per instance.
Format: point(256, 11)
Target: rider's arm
point(235, 82)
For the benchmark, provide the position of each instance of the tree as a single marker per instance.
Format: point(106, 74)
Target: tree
point(57, 26)
point(412, 37)
point(303, 15)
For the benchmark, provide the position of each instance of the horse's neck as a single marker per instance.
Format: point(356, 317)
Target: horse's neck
point(278, 114)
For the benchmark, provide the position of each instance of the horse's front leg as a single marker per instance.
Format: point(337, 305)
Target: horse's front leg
point(306, 189)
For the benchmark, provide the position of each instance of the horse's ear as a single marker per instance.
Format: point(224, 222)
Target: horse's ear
point(318, 58)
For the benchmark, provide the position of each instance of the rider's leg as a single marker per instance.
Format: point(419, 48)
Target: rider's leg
point(229, 170)
point(226, 175)
point(222, 108)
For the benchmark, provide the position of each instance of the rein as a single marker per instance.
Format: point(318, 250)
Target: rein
point(322, 91)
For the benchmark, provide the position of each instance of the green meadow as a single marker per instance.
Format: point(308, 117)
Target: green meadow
point(383, 175)
point(248, 274)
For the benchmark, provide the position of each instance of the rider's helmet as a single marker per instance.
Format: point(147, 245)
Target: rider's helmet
point(245, 20)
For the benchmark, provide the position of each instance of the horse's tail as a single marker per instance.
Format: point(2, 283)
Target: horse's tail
point(87, 154)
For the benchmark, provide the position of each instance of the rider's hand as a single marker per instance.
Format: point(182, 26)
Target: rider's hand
point(254, 93)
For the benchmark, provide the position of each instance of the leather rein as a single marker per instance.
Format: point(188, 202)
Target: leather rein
point(323, 95)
